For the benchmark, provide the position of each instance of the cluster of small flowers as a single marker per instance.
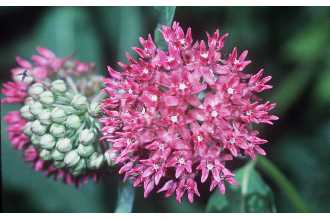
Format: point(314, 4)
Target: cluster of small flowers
point(56, 127)
point(45, 65)
point(175, 117)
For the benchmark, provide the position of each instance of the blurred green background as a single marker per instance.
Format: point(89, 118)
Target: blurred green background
point(291, 43)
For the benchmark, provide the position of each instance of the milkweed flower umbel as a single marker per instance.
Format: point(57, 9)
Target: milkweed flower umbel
point(56, 126)
point(176, 117)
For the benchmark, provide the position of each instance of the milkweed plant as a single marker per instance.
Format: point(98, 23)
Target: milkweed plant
point(170, 119)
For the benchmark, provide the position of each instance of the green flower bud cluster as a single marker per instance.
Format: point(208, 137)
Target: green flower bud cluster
point(62, 128)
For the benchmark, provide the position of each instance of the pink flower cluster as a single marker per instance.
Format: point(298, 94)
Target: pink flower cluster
point(44, 65)
point(175, 117)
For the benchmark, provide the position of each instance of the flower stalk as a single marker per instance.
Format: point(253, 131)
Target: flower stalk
point(283, 183)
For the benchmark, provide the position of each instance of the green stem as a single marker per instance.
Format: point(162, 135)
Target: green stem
point(125, 200)
point(71, 84)
point(245, 182)
point(284, 184)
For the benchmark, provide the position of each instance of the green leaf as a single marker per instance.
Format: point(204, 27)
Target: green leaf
point(291, 88)
point(69, 30)
point(321, 93)
point(252, 194)
point(64, 30)
point(165, 17)
point(122, 27)
point(309, 171)
point(310, 43)
point(283, 183)
point(125, 199)
point(306, 49)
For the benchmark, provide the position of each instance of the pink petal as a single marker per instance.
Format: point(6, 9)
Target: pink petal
point(46, 53)
point(148, 172)
point(166, 186)
point(148, 188)
point(205, 174)
point(23, 63)
point(170, 100)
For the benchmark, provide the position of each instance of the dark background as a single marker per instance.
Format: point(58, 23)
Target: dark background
point(291, 43)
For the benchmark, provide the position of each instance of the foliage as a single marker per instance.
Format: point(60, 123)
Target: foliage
point(251, 195)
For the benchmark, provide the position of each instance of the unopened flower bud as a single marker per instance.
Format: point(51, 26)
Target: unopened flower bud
point(45, 154)
point(58, 86)
point(26, 113)
point(47, 141)
point(36, 108)
point(35, 90)
point(85, 151)
point(73, 121)
point(35, 139)
point(79, 167)
point(76, 173)
point(28, 101)
point(80, 102)
point(71, 158)
point(110, 156)
point(95, 109)
point(64, 145)
point(58, 115)
point(57, 155)
point(69, 110)
point(86, 137)
point(38, 128)
point(59, 164)
point(69, 94)
point(44, 117)
point(92, 157)
point(57, 130)
point(47, 98)
point(27, 129)
point(95, 161)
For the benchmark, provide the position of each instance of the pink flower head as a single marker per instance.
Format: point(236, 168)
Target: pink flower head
point(43, 66)
point(175, 117)
point(14, 92)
